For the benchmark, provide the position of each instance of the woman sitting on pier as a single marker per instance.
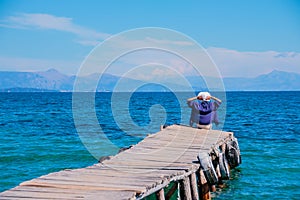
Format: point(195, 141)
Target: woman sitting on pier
point(204, 110)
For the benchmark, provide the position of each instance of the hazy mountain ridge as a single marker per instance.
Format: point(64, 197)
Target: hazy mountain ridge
point(53, 80)
point(49, 80)
point(273, 81)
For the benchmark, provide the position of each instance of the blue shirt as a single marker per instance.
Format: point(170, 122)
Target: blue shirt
point(203, 112)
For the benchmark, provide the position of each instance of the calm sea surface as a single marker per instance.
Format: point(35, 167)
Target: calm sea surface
point(38, 136)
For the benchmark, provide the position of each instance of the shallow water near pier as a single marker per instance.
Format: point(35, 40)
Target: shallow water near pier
point(38, 136)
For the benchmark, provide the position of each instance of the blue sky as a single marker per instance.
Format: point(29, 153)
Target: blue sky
point(244, 38)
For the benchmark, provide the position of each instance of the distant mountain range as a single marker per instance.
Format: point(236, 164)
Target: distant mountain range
point(274, 81)
point(52, 80)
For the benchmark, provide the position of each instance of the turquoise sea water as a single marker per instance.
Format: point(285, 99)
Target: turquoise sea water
point(38, 136)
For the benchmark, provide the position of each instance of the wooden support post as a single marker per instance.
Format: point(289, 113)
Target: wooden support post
point(203, 187)
point(171, 191)
point(194, 188)
point(223, 148)
point(213, 188)
point(160, 194)
point(185, 189)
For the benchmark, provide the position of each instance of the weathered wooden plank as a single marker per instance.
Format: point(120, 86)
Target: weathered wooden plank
point(140, 172)
point(120, 182)
point(83, 185)
point(103, 178)
point(108, 172)
point(58, 193)
point(40, 195)
point(174, 141)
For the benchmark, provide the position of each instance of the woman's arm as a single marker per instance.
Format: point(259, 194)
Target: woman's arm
point(216, 99)
point(192, 99)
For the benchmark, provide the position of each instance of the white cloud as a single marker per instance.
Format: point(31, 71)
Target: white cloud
point(230, 63)
point(234, 63)
point(170, 42)
point(51, 22)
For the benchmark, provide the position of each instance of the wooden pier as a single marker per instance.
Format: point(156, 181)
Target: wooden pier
point(163, 164)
